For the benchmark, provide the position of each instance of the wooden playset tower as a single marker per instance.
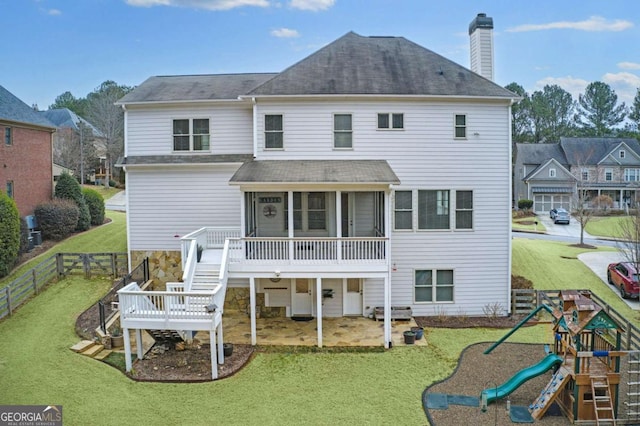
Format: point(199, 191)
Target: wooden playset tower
point(586, 384)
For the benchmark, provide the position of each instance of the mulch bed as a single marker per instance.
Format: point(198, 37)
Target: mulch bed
point(163, 363)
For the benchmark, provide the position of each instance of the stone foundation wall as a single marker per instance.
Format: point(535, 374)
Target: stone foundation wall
point(238, 299)
point(164, 266)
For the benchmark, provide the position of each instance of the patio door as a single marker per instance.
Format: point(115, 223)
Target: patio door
point(352, 303)
point(301, 300)
point(346, 202)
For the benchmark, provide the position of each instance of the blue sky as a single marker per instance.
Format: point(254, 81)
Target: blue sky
point(51, 46)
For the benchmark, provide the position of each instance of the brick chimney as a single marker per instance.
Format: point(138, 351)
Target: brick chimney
point(481, 39)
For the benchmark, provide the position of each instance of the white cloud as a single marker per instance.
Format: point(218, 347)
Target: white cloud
point(200, 4)
point(285, 33)
point(625, 84)
point(594, 23)
point(313, 5)
point(54, 12)
point(629, 65)
point(573, 85)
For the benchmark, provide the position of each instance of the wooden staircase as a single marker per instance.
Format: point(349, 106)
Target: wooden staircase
point(91, 349)
point(549, 393)
point(206, 277)
point(602, 404)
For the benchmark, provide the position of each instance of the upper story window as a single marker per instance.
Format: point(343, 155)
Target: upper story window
point(433, 209)
point(460, 126)
point(403, 210)
point(585, 174)
point(342, 131)
point(632, 175)
point(10, 188)
point(273, 131)
point(8, 137)
point(608, 174)
point(390, 121)
point(191, 134)
point(622, 153)
point(552, 173)
point(464, 209)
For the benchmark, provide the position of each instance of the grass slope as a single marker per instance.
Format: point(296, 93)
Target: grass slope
point(36, 367)
point(606, 226)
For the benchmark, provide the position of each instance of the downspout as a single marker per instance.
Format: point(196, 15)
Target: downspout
point(509, 239)
point(255, 127)
point(124, 169)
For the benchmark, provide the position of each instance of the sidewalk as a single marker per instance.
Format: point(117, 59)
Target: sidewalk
point(118, 202)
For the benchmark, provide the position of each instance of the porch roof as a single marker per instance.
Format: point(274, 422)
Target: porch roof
point(315, 171)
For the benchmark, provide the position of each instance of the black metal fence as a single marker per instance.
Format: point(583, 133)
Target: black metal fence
point(57, 266)
point(106, 308)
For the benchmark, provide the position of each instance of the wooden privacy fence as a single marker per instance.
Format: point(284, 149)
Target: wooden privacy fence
point(524, 301)
point(56, 266)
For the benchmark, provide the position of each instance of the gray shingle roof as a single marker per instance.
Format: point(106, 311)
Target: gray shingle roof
point(590, 151)
point(194, 87)
point(540, 153)
point(150, 160)
point(13, 109)
point(65, 118)
point(315, 171)
point(354, 64)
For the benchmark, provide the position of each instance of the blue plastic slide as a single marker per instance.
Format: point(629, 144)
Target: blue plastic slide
point(547, 363)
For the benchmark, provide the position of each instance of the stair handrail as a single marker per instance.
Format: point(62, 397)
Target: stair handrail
point(190, 265)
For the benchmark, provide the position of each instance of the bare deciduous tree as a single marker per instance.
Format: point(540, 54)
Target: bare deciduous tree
point(629, 240)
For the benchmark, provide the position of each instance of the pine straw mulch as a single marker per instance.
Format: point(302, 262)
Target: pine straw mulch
point(476, 371)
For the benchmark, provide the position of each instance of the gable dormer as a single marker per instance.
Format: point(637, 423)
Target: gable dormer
point(621, 155)
point(551, 170)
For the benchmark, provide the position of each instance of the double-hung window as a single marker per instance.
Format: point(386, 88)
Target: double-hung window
point(394, 121)
point(309, 211)
point(191, 134)
point(342, 131)
point(460, 126)
point(8, 138)
point(585, 175)
point(464, 209)
point(433, 209)
point(403, 210)
point(631, 175)
point(273, 131)
point(10, 188)
point(433, 285)
point(608, 175)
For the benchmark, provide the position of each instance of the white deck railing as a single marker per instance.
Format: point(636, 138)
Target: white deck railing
point(175, 304)
point(209, 237)
point(308, 250)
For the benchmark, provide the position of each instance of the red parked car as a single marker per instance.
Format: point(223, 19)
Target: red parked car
point(624, 276)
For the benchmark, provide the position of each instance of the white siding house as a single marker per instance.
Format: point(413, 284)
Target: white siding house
point(373, 173)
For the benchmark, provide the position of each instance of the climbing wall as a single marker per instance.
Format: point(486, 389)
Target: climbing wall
point(549, 393)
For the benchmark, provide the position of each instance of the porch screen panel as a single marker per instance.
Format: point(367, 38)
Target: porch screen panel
point(317, 214)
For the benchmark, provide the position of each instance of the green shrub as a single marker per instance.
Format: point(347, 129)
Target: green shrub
point(525, 204)
point(57, 218)
point(95, 202)
point(84, 218)
point(9, 234)
point(24, 236)
point(69, 188)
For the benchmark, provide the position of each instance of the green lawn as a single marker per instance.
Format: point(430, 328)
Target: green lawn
point(102, 190)
point(36, 366)
point(606, 226)
point(524, 224)
point(108, 238)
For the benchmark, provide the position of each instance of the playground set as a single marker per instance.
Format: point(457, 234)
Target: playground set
point(585, 361)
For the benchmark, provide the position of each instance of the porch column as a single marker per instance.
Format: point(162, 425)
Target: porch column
point(243, 212)
point(621, 199)
point(220, 338)
point(139, 343)
point(214, 360)
point(319, 309)
point(339, 225)
point(252, 299)
point(290, 222)
point(387, 313)
point(127, 349)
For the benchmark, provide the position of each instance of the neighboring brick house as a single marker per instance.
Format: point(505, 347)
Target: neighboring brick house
point(26, 164)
